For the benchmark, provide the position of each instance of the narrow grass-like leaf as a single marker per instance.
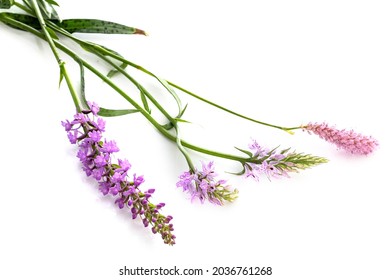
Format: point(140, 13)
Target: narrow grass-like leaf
point(182, 120)
point(113, 72)
point(115, 113)
point(52, 2)
point(245, 152)
point(82, 82)
point(242, 172)
point(6, 4)
point(52, 33)
point(97, 26)
point(144, 100)
point(168, 87)
point(169, 126)
point(182, 111)
point(61, 77)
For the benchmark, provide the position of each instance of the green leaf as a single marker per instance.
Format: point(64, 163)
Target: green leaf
point(181, 120)
point(285, 151)
point(182, 111)
point(113, 72)
point(97, 26)
point(52, 2)
point(82, 82)
point(6, 4)
point(26, 19)
point(52, 33)
point(169, 126)
point(144, 100)
point(242, 172)
point(115, 113)
point(61, 79)
point(167, 86)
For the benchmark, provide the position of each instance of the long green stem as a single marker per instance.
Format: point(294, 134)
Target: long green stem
point(45, 32)
point(61, 64)
point(287, 129)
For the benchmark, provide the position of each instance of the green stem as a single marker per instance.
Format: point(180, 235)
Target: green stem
point(61, 64)
point(181, 148)
point(287, 129)
point(45, 32)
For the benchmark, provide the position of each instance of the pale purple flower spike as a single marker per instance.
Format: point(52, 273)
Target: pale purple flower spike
point(348, 140)
point(268, 166)
point(202, 185)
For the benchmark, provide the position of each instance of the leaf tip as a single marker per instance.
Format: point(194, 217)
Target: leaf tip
point(140, 32)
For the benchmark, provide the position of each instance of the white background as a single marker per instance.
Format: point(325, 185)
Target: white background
point(284, 62)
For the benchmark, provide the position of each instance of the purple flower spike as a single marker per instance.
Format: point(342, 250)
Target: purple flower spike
point(96, 158)
point(348, 140)
point(202, 185)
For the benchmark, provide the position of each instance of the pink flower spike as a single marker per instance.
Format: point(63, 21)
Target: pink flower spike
point(348, 140)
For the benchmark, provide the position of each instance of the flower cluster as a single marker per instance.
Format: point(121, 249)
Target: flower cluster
point(275, 164)
point(95, 155)
point(202, 185)
point(348, 140)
